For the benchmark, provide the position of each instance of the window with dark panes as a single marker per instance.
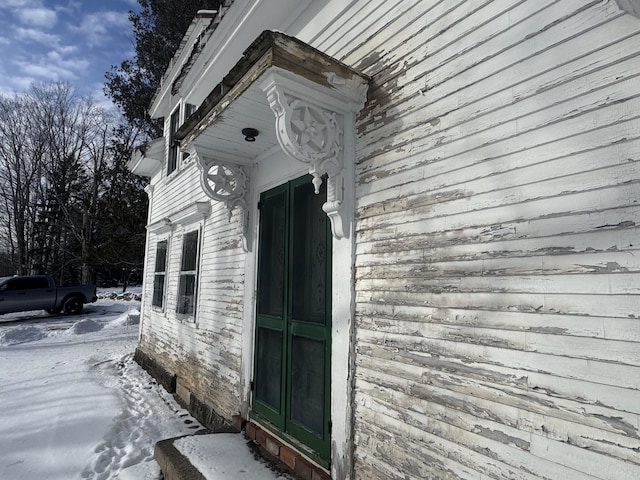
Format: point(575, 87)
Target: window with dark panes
point(174, 123)
point(159, 274)
point(189, 109)
point(188, 274)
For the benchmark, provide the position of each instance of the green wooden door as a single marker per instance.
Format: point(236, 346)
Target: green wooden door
point(293, 321)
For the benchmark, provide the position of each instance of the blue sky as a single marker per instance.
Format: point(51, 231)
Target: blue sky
point(63, 40)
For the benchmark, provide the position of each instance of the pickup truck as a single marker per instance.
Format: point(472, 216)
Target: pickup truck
point(18, 294)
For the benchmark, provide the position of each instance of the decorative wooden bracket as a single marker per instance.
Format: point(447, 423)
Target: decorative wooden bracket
point(227, 183)
point(310, 129)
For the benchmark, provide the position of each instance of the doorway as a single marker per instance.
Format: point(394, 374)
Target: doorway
point(291, 381)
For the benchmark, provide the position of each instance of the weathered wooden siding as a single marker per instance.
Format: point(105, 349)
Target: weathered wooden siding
point(497, 292)
point(205, 354)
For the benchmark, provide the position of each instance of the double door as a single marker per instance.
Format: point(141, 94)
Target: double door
point(291, 388)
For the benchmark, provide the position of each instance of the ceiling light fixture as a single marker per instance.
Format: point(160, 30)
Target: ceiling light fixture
point(250, 134)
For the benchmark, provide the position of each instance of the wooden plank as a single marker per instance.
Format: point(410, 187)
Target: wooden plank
point(409, 318)
point(462, 443)
point(584, 461)
point(603, 407)
point(549, 338)
point(565, 304)
point(442, 217)
point(609, 231)
point(595, 371)
point(517, 168)
point(622, 284)
point(497, 421)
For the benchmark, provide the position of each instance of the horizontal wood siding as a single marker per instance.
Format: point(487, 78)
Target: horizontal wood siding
point(497, 272)
point(204, 352)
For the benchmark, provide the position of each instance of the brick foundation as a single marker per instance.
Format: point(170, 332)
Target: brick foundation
point(287, 455)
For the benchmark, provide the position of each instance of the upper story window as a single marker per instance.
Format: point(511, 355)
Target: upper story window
point(189, 109)
point(174, 123)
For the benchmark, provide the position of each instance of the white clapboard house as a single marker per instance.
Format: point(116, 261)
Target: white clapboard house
point(400, 239)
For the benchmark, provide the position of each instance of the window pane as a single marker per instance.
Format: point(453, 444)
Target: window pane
point(307, 383)
point(309, 254)
point(269, 367)
point(173, 147)
point(190, 251)
point(186, 293)
point(158, 290)
point(190, 108)
point(161, 256)
point(272, 255)
point(32, 283)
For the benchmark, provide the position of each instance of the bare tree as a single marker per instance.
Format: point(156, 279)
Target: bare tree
point(54, 151)
point(22, 149)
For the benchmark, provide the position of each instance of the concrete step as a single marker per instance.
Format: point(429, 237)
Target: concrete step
point(173, 464)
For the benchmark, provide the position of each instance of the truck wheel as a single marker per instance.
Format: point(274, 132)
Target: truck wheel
point(54, 311)
point(73, 305)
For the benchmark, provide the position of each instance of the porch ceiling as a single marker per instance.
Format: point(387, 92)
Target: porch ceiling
point(220, 132)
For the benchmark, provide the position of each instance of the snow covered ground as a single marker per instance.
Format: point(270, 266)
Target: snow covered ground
point(73, 404)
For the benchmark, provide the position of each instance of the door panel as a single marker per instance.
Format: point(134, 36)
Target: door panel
point(269, 368)
point(307, 383)
point(309, 262)
point(272, 254)
point(269, 384)
point(293, 347)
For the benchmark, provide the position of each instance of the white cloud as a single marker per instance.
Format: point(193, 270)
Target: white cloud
point(20, 3)
point(70, 8)
point(67, 49)
point(47, 72)
point(33, 35)
point(71, 63)
point(98, 26)
point(53, 67)
point(37, 16)
point(17, 84)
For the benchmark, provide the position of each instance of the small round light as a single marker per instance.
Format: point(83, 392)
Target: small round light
point(250, 134)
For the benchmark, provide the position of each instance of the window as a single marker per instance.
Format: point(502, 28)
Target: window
point(159, 275)
point(173, 145)
point(26, 283)
point(188, 274)
point(189, 109)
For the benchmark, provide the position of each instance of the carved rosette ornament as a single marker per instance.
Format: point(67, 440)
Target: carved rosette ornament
point(313, 135)
point(226, 183)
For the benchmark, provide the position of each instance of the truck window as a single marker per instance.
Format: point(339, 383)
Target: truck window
point(26, 283)
point(39, 282)
point(15, 284)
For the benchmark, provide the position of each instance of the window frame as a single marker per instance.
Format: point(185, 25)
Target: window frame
point(183, 274)
point(163, 273)
point(172, 150)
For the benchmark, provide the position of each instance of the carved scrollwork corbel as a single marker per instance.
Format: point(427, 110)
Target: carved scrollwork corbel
point(227, 183)
point(313, 135)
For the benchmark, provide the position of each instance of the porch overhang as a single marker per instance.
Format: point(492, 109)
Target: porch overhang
point(301, 101)
point(147, 159)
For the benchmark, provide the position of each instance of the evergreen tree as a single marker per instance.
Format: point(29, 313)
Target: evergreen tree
point(158, 28)
point(120, 237)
